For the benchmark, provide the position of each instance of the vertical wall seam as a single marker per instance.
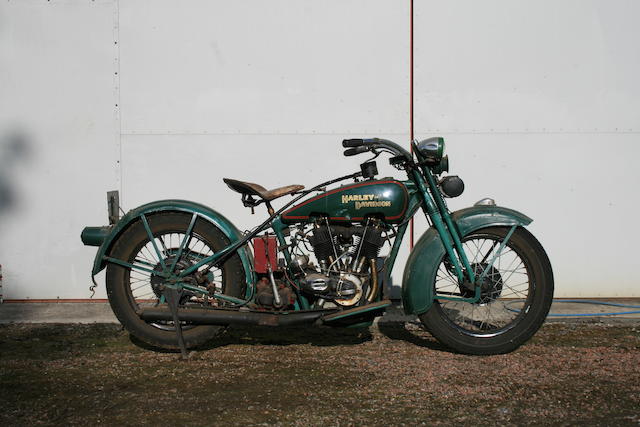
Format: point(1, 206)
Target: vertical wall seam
point(117, 106)
point(411, 135)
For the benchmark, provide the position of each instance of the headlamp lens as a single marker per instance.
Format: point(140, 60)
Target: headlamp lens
point(431, 149)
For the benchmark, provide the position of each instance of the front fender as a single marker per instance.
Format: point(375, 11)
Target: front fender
point(422, 265)
point(105, 237)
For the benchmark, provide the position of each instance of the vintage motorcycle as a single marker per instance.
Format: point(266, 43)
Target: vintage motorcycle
point(178, 272)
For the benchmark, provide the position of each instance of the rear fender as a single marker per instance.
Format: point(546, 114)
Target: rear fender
point(105, 237)
point(422, 264)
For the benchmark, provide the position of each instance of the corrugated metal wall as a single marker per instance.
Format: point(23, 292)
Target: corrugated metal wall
point(538, 101)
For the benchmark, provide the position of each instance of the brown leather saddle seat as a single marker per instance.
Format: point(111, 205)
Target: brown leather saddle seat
point(251, 189)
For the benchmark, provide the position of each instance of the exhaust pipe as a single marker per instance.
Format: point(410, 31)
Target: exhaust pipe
point(203, 316)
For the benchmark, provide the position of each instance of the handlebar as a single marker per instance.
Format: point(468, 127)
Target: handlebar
point(352, 143)
point(356, 150)
point(361, 145)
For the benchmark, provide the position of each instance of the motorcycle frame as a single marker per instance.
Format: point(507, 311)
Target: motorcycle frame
point(427, 197)
point(424, 194)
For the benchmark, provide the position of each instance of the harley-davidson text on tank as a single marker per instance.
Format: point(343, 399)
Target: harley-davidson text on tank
point(385, 198)
point(365, 201)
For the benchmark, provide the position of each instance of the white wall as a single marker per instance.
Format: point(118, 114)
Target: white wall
point(540, 103)
point(58, 148)
point(254, 90)
point(163, 99)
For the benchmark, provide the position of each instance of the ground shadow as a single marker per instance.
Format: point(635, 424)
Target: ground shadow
point(145, 346)
point(276, 336)
point(398, 331)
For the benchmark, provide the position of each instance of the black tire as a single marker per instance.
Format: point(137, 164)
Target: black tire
point(123, 283)
point(509, 311)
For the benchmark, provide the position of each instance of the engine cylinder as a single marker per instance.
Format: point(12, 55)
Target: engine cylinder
point(321, 242)
point(372, 241)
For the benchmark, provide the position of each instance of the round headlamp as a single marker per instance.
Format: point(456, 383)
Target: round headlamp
point(431, 150)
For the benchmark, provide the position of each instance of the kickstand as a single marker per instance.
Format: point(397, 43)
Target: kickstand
point(172, 295)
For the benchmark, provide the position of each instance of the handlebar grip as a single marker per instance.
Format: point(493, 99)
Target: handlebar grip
point(352, 143)
point(354, 151)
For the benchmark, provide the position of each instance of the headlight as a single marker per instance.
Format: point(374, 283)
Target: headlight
point(431, 149)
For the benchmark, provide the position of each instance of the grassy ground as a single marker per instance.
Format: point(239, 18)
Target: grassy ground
point(388, 375)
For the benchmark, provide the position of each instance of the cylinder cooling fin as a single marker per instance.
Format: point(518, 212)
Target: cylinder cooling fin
point(372, 241)
point(322, 243)
point(365, 240)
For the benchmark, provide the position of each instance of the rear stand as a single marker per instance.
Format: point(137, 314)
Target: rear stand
point(172, 295)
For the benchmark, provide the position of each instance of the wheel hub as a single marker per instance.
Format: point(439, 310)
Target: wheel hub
point(157, 281)
point(490, 286)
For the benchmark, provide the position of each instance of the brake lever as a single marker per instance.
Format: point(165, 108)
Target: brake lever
point(376, 153)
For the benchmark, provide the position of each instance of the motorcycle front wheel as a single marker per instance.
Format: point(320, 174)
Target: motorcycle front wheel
point(515, 297)
point(131, 289)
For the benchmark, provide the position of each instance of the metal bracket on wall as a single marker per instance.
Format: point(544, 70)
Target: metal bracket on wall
point(113, 206)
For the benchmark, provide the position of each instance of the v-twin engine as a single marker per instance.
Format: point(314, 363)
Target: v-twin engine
point(346, 256)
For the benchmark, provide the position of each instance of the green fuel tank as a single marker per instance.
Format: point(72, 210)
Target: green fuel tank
point(386, 198)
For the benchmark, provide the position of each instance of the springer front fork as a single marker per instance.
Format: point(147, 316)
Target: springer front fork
point(436, 209)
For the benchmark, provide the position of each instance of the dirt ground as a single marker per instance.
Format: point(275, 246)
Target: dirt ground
point(392, 374)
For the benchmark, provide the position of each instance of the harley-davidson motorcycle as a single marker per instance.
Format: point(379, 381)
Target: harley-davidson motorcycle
point(179, 272)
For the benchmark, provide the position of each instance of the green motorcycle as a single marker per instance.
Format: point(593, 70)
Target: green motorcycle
point(178, 272)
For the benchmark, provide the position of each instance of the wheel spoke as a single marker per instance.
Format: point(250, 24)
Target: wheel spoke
point(484, 259)
point(184, 243)
point(146, 254)
point(165, 251)
point(141, 286)
point(153, 240)
point(511, 273)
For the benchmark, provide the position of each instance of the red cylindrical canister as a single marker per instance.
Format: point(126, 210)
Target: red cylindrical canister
point(263, 247)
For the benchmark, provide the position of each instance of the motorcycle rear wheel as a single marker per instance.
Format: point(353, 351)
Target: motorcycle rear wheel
point(515, 298)
point(129, 290)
